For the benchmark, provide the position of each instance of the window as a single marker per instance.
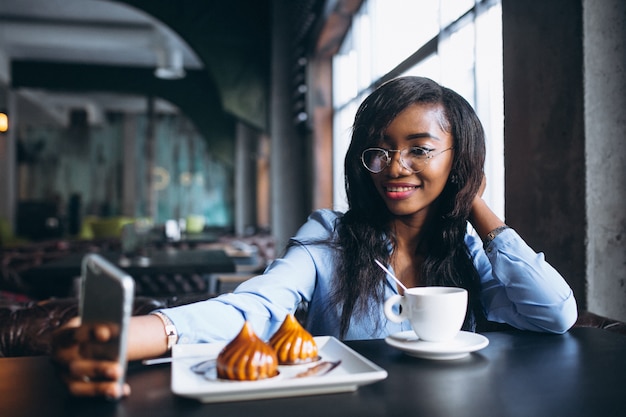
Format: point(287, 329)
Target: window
point(457, 43)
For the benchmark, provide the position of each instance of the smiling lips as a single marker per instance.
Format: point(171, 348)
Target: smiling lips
point(399, 191)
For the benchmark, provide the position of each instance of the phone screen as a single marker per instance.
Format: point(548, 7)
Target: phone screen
point(106, 298)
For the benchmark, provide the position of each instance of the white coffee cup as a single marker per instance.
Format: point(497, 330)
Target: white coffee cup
point(436, 314)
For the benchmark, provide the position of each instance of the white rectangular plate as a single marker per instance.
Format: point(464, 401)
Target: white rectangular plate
point(354, 371)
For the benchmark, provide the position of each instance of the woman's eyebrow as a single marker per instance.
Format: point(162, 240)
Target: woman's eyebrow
point(413, 136)
point(422, 135)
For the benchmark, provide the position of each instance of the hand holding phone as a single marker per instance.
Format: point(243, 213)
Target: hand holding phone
point(106, 301)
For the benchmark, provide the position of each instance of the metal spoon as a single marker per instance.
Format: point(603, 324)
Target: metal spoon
point(390, 274)
point(205, 366)
point(319, 369)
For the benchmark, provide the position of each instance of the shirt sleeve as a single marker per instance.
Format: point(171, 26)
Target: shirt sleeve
point(520, 288)
point(264, 300)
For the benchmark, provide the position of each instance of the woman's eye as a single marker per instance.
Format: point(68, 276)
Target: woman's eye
point(419, 151)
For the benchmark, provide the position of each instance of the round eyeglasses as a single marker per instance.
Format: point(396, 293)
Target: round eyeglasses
point(414, 159)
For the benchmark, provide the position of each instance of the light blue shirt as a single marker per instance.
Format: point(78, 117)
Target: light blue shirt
point(518, 287)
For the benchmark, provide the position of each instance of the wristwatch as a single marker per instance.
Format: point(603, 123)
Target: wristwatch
point(492, 235)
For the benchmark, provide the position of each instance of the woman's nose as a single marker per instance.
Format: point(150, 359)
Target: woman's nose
point(396, 168)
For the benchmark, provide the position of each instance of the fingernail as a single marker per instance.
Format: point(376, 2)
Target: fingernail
point(112, 395)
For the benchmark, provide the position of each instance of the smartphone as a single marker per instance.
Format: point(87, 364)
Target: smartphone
point(106, 297)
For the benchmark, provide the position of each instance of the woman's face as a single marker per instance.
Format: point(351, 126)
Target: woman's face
point(406, 193)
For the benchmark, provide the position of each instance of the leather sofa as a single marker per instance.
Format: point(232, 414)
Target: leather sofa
point(26, 328)
point(26, 324)
point(27, 320)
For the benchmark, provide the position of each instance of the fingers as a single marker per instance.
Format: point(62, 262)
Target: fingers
point(101, 332)
point(64, 346)
point(73, 322)
point(64, 338)
point(72, 349)
point(89, 378)
point(107, 389)
point(69, 342)
point(96, 369)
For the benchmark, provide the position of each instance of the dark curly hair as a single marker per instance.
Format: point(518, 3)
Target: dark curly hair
point(364, 229)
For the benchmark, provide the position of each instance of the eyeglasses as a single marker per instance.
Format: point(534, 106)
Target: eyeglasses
point(414, 159)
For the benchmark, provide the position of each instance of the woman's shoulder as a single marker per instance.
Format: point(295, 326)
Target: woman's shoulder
point(320, 223)
point(326, 216)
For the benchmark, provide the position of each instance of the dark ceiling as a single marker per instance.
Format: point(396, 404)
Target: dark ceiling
point(232, 40)
point(228, 39)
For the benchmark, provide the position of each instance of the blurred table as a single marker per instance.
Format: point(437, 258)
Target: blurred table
point(581, 373)
point(162, 272)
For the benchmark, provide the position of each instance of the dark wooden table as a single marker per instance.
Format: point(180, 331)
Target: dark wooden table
point(581, 373)
point(156, 274)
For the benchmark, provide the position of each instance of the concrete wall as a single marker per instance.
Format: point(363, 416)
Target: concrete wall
point(288, 166)
point(565, 130)
point(246, 142)
point(544, 131)
point(8, 156)
point(604, 26)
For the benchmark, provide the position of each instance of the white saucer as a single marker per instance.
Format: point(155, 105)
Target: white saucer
point(459, 347)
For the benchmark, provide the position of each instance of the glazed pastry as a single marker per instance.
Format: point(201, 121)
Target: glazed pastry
point(293, 344)
point(247, 358)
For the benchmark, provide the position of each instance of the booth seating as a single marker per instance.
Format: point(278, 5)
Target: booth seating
point(26, 324)
point(26, 328)
point(27, 318)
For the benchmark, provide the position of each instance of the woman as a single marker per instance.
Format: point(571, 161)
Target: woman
point(413, 179)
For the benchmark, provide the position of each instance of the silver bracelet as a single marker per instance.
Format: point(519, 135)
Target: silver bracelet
point(170, 330)
point(492, 235)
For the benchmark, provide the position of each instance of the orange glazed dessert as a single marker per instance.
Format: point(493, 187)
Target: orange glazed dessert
point(247, 358)
point(293, 344)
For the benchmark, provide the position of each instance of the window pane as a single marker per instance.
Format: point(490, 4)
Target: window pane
point(342, 131)
point(490, 102)
point(457, 61)
point(400, 28)
point(344, 85)
point(451, 10)
point(429, 67)
point(362, 33)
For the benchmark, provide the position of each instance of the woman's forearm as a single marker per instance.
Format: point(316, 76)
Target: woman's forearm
point(483, 218)
point(146, 338)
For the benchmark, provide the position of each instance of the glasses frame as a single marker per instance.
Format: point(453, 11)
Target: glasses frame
point(429, 155)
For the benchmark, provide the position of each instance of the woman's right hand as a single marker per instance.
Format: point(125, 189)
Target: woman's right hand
point(86, 377)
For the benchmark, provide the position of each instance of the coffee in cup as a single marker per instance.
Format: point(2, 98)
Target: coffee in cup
point(436, 314)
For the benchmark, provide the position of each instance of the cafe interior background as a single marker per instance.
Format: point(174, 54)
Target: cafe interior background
point(239, 112)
